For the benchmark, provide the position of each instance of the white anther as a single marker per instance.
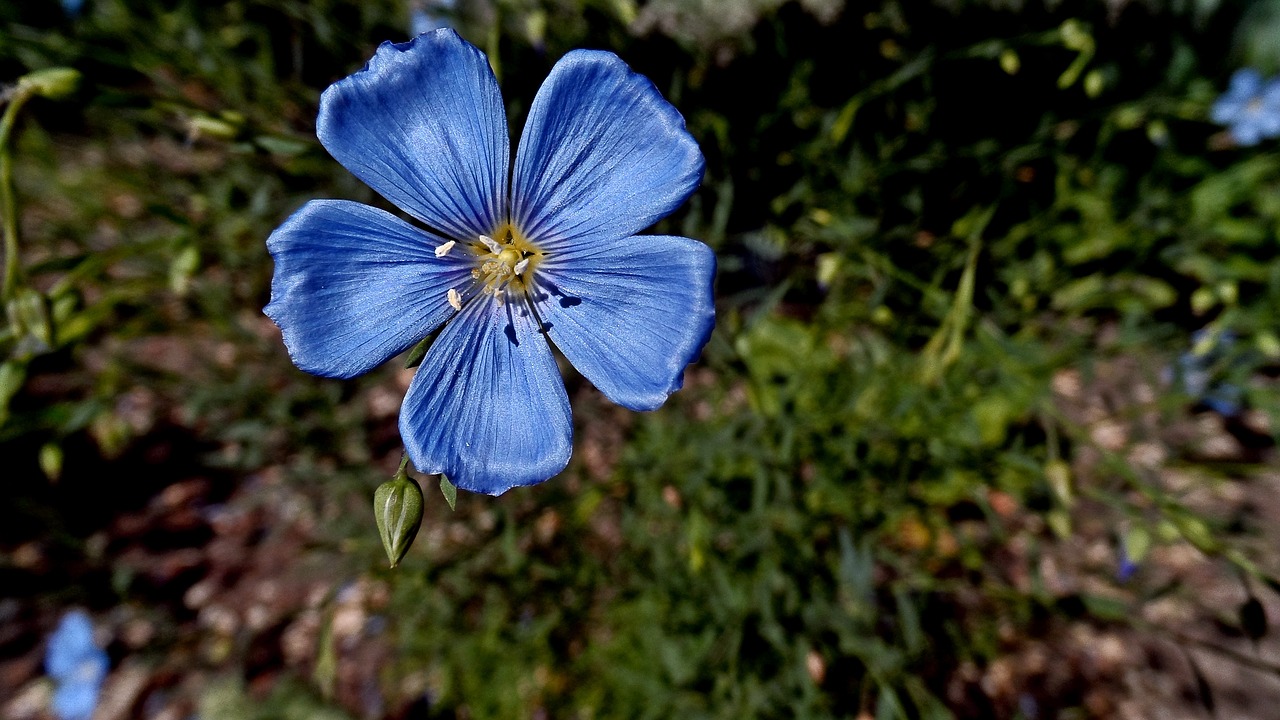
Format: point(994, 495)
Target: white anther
point(455, 299)
point(521, 266)
point(490, 243)
point(444, 249)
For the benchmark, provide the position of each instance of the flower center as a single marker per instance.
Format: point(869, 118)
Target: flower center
point(503, 265)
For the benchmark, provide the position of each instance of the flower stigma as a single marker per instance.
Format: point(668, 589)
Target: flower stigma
point(503, 265)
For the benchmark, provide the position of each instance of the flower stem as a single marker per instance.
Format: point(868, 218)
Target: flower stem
point(8, 208)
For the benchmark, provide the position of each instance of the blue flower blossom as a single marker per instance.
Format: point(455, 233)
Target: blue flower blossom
point(510, 258)
point(1250, 108)
point(77, 665)
point(1198, 372)
point(1126, 568)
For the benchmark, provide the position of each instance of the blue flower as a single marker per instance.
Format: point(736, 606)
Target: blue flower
point(1250, 108)
point(510, 258)
point(1126, 568)
point(1199, 372)
point(77, 665)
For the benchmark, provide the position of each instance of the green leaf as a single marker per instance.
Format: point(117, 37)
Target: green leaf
point(12, 376)
point(54, 83)
point(419, 351)
point(909, 617)
point(1106, 608)
point(325, 674)
point(1137, 543)
point(182, 268)
point(51, 460)
point(449, 491)
point(28, 313)
point(281, 146)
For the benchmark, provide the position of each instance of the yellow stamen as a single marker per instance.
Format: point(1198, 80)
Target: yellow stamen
point(505, 264)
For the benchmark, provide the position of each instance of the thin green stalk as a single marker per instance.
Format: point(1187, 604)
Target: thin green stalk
point(8, 208)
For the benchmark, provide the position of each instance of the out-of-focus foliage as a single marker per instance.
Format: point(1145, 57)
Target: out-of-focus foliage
point(938, 225)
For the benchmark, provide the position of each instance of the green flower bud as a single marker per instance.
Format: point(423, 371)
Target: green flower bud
point(397, 507)
point(54, 83)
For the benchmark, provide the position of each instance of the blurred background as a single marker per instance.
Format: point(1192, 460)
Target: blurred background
point(986, 428)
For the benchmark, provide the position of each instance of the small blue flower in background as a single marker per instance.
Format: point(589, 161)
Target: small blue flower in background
point(77, 665)
point(1250, 108)
point(1125, 566)
point(1199, 377)
point(510, 260)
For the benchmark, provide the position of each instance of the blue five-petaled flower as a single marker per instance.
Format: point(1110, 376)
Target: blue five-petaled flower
point(1250, 108)
point(512, 257)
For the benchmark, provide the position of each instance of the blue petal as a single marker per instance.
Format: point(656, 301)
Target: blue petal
point(1227, 110)
point(603, 155)
point(1126, 568)
point(630, 315)
point(75, 700)
point(424, 125)
point(1245, 83)
point(1268, 125)
point(69, 644)
point(92, 668)
point(487, 407)
point(354, 285)
point(1246, 133)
